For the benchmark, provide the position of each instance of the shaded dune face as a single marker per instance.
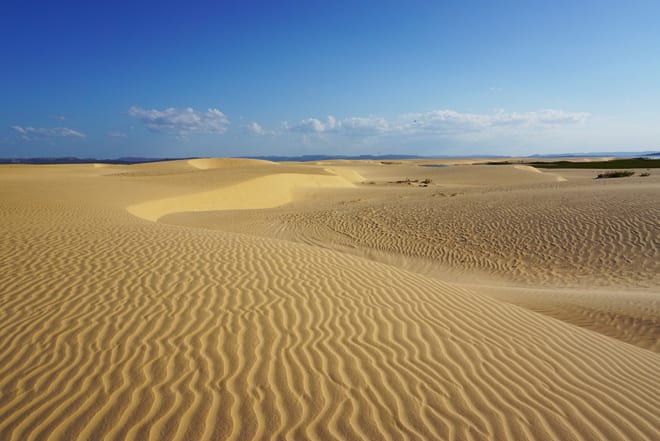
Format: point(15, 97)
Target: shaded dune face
point(114, 327)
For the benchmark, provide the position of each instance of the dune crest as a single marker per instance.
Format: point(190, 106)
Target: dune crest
point(212, 163)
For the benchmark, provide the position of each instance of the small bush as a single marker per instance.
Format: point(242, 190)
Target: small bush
point(645, 174)
point(615, 174)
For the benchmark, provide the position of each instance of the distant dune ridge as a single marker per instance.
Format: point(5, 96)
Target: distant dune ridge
point(231, 299)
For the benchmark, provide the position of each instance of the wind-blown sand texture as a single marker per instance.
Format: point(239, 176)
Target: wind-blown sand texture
point(321, 306)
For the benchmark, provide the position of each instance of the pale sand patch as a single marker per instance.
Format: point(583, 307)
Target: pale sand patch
point(464, 175)
point(112, 327)
point(536, 170)
point(263, 192)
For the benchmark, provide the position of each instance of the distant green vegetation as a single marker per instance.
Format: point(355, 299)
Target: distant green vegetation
point(615, 174)
point(614, 163)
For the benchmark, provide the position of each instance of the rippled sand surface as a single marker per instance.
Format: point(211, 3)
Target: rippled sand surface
point(233, 299)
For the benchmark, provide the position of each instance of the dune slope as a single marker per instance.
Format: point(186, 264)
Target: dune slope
point(582, 250)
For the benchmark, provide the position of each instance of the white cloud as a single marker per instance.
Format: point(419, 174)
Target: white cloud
point(181, 121)
point(29, 133)
point(255, 129)
point(357, 125)
point(547, 118)
point(313, 125)
point(447, 122)
point(442, 122)
point(369, 125)
point(115, 134)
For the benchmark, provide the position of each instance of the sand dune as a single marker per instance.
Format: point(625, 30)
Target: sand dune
point(543, 237)
point(116, 327)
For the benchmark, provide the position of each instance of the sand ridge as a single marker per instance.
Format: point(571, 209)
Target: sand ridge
point(113, 327)
point(263, 192)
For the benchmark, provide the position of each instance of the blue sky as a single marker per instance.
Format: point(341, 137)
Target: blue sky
point(343, 77)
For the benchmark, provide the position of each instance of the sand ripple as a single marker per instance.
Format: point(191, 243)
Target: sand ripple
point(589, 235)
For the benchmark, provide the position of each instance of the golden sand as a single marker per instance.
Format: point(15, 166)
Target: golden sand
point(235, 299)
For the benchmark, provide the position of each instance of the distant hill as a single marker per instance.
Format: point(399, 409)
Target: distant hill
point(140, 160)
point(311, 158)
point(76, 160)
point(308, 158)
